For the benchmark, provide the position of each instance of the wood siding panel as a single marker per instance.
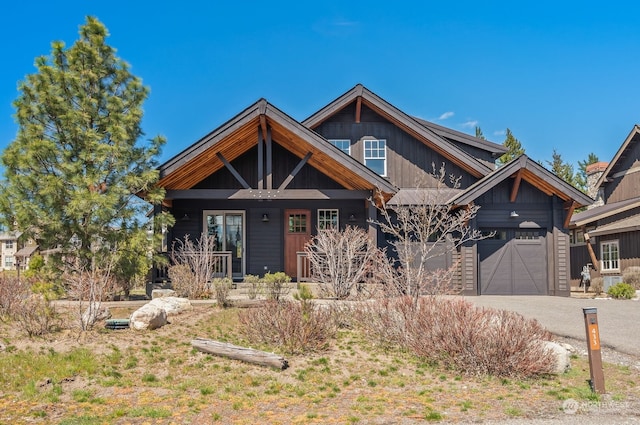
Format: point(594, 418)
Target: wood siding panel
point(408, 160)
point(264, 240)
point(623, 188)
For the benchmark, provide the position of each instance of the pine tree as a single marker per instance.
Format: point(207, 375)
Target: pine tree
point(514, 147)
point(76, 165)
point(581, 175)
point(562, 169)
point(479, 133)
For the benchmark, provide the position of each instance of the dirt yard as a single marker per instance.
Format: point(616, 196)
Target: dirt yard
point(156, 377)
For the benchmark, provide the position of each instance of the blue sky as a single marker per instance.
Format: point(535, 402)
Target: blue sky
point(559, 74)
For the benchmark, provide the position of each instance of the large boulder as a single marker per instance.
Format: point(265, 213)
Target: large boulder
point(172, 305)
point(561, 356)
point(159, 293)
point(148, 317)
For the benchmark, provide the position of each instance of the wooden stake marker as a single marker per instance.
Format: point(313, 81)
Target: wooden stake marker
point(593, 348)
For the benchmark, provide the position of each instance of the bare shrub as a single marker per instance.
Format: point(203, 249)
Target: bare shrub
point(255, 286)
point(36, 315)
point(631, 275)
point(182, 279)
point(342, 261)
point(424, 228)
point(276, 285)
point(199, 257)
point(597, 285)
point(457, 334)
point(293, 326)
point(221, 289)
point(12, 292)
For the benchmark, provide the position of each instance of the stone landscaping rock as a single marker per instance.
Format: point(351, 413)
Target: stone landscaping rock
point(561, 355)
point(148, 317)
point(159, 293)
point(172, 305)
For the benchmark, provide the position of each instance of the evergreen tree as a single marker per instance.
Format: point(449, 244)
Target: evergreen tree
point(514, 147)
point(581, 175)
point(479, 134)
point(76, 165)
point(562, 169)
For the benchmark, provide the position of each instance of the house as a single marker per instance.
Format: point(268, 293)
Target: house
point(15, 252)
point(8, 249)
point(263, 183)
point(605, 237)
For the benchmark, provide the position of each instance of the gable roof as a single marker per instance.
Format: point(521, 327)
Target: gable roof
point(530, 171)
point(426, 134)
point(240, 134)
point(629, 143)
point(494, 148)
point(603, 211)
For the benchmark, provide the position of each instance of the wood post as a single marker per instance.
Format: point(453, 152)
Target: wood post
point(593, 348)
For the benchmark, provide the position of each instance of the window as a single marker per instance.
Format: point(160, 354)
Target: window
point(8, 261)
point(327, 219)
point(375, 155)
point(8, 244)
point(297, 223)
point(610, 255)
point(527, 234)
point(343, 144)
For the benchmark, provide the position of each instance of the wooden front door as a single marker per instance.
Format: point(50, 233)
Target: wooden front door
point(297, 232)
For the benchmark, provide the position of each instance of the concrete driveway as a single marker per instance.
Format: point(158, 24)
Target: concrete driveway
point(619, 320)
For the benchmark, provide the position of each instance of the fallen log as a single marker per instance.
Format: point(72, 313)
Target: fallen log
point(235, 352)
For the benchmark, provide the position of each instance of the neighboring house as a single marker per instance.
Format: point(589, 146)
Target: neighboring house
point(263, 183)
point(8, 248)
point(606, 237)
point(14, 252)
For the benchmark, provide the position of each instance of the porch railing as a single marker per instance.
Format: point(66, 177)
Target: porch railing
point(303, 267)
point(221, 268)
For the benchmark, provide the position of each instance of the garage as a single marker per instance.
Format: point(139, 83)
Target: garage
point(513, 262)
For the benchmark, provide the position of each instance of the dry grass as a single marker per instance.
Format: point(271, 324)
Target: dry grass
point(157, 377)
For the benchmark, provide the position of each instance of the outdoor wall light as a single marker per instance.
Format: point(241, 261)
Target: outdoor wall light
point(514, 214)
point(352, 217)
point(265, 217)
point(185, 217)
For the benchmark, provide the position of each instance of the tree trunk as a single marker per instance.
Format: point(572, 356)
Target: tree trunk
point(235, 352)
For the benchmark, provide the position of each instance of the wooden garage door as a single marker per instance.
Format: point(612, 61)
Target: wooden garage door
point(514, 263)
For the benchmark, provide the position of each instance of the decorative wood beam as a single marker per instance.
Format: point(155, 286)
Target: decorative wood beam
point(260, 159)
point(269, 159)
point(592, 255)
point(570, 210)
point(516, 186)
point(263, 124)
point(233, 171)
point(295, 171)
point(267, 194)
point(358, 108)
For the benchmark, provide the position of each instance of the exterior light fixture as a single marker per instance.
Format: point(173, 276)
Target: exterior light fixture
point(265, 217)
point(514, 214)
point(352, 217)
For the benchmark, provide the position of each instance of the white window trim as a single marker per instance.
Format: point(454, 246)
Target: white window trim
point(602, 261)
point(384, 159)
point(334, 141)
point(337, 212)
